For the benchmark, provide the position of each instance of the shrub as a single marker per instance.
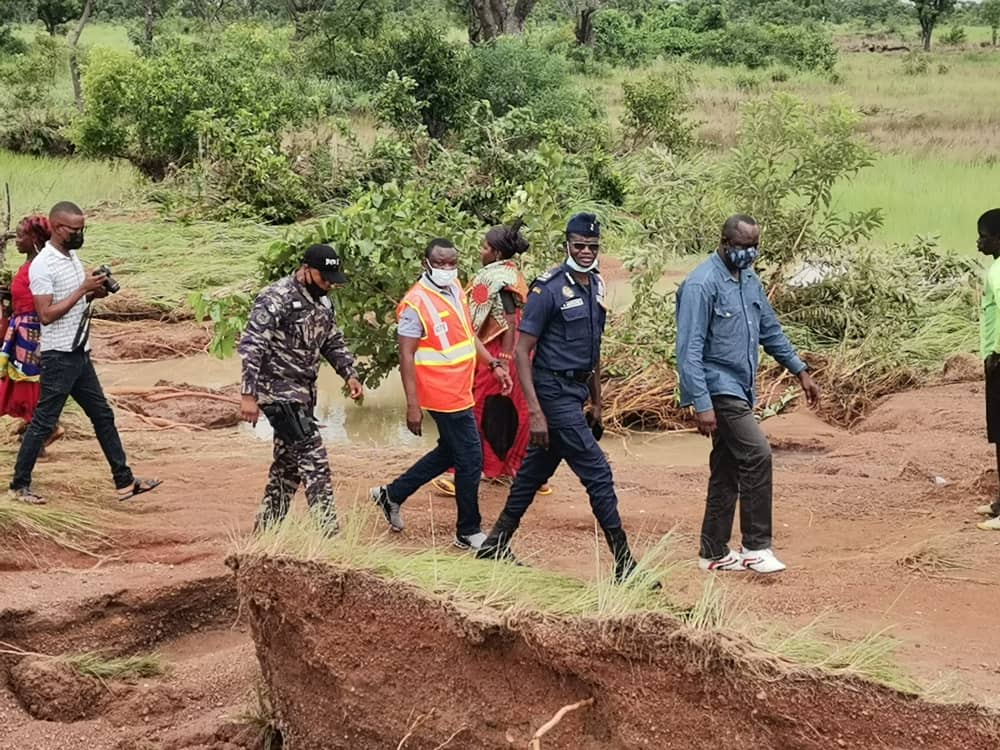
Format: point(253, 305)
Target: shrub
point(954, 36)
point(656, 110)
point(915, 63)
point(510, 74)
point(802, 48)
point(780, 75)
point(148, 109)
point(37, 133)
point(942, 69)
point(619, 41)
point(674, 41)
point(748, 83)
point(437, 67)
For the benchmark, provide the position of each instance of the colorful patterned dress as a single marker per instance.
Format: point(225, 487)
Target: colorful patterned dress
point(20, 362)
point(502, 420)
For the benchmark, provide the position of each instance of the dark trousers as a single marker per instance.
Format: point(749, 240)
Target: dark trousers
point(63, 375)
point(740, 470)
point(576, 445)
point(459, 446)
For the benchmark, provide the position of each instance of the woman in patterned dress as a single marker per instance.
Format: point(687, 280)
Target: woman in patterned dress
point(20, 360)
point(496, 295)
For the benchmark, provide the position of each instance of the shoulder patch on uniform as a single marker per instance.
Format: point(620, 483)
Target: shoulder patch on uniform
point(543, 277)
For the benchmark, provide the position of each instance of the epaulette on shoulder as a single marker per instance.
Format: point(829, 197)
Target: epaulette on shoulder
point(547, 276)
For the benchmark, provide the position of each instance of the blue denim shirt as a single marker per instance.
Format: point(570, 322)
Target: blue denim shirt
point(721, 324)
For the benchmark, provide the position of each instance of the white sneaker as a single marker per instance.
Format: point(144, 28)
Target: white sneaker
point(472, 541)
point(762, 561)
point(732, 561)
point(986, 510)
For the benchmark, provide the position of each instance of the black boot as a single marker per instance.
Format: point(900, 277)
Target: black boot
point(497, 544)
point(624, 562)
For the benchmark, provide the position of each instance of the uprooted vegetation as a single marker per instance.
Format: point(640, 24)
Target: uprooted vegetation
point(511, 646)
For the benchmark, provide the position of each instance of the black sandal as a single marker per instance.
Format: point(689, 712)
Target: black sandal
point(138, 487)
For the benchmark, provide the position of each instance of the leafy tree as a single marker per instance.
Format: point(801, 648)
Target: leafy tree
point(656, 110)
point(56, 13)
point(148, 109)
point(990, 11)
point(439, 70)
point(929, 12)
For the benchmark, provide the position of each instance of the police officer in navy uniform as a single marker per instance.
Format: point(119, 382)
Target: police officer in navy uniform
point(562, 323)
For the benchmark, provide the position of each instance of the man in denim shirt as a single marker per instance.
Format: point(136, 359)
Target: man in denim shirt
point(723, 318)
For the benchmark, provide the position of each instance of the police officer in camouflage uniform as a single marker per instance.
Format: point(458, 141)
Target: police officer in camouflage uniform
point(291, 327)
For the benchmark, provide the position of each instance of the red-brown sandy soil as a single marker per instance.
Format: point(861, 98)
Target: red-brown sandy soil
point(356, 662)
point(848, 509)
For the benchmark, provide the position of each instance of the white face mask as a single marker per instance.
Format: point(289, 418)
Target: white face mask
point(442, 276)
point(577, 267)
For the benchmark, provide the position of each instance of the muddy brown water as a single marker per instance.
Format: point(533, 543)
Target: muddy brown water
point(381, 420)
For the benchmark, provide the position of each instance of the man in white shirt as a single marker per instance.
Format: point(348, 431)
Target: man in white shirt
point(62, 292)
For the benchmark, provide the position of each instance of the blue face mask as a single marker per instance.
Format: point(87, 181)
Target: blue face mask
point(741, 258)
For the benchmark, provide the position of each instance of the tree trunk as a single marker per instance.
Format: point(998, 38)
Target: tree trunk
point(74, 64)
point(585, 27)
point(994, 36)
point(488, 19)
point(149, 21)
point(926, 31)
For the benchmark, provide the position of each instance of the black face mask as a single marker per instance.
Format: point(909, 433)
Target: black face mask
point(316, 292)
point(75, 240)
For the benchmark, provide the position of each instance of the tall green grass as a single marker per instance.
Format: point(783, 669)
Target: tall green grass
point(36, 183)
point(925, 195)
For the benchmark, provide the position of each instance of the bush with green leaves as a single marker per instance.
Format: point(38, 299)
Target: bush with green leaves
point(954, 37)
point(657, 109)
point(148, 109)
point(620, 40)
point(35, 123)
point(758, 46)
point(439, 69)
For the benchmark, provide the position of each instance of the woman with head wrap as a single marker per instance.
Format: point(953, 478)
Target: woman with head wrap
point(20, 360)
point(496, 295)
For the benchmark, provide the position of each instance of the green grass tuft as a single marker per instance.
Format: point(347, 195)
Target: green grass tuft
point(94, 664)
point(65, 528)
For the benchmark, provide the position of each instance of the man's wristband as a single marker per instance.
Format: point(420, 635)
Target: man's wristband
point(495, 363)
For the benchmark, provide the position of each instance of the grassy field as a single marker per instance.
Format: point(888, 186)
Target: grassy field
point(938, 134)
point(36, 183)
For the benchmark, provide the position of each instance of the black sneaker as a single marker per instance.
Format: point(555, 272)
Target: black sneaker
point(392, 511)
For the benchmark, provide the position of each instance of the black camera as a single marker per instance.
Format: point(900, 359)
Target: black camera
point(109, 281)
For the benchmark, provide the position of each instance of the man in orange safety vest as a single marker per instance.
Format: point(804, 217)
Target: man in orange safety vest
point(438, 348)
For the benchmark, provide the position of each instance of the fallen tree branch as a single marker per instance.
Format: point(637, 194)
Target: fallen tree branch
point(536, 738)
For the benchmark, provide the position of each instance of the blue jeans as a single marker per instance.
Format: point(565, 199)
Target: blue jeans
point(458, 446)
point(66, 374)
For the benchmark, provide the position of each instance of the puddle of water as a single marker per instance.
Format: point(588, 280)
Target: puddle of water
point(381, 420)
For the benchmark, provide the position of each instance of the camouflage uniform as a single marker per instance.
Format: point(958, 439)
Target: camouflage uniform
point(287, 335)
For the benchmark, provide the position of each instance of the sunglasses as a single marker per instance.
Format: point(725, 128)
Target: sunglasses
point(579, 246)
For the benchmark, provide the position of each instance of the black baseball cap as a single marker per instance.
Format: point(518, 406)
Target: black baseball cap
point(325, 260)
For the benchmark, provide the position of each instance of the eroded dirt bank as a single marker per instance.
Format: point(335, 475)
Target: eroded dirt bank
point(354, 661)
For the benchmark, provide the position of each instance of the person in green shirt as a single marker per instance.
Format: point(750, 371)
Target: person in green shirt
point(989, 332)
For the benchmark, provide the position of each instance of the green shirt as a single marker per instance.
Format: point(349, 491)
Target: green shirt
point(989, 319)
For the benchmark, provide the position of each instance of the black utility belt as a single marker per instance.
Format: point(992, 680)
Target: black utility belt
point(577, 376)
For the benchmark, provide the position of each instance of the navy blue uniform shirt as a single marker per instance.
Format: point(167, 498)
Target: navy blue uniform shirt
point(567, 318)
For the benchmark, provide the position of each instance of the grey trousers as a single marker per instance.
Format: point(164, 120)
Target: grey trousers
point(740, 467)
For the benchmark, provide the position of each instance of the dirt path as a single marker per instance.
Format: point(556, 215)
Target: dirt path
point(849, 508)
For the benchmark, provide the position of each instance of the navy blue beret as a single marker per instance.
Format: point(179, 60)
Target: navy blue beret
point(585, 225)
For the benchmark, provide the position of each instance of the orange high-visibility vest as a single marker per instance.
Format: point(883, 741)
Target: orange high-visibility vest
point(446, 355)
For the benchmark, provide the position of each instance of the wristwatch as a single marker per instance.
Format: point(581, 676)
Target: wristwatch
point(495, 363)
